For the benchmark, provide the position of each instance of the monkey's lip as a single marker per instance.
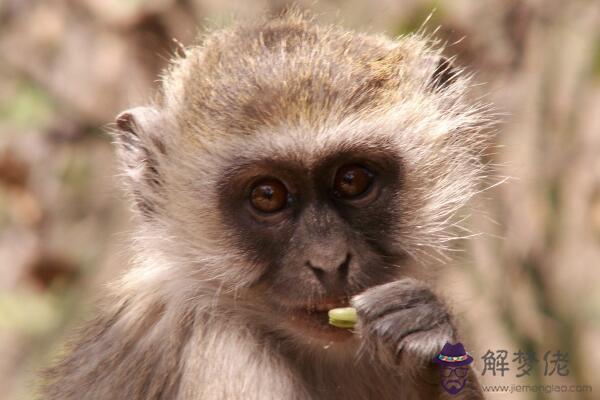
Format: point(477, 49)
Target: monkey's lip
point(320, 305)
point(326, 305)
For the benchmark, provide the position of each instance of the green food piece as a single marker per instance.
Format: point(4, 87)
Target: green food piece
point(343, 317)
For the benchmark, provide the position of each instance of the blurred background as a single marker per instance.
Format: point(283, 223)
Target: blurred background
point(531, 282)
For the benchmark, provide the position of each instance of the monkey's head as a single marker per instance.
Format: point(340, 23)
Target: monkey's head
point(299, 165)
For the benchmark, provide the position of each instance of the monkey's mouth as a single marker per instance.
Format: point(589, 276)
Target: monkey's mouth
point(314, 320)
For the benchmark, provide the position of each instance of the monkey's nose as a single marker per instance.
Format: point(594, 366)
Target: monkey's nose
point(330, 269)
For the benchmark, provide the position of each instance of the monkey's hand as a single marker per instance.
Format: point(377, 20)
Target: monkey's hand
point(402, 322)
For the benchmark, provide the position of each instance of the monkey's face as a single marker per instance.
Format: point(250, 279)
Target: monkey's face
point(319, 228)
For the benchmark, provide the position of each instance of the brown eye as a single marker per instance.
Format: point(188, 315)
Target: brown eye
point(269, 195)
point(352, 181)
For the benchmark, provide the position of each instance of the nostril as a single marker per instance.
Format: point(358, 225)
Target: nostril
point(344, 266)
point(316, 270)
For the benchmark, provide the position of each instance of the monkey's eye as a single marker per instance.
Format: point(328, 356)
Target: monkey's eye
point(269, 195)
point(352, 181)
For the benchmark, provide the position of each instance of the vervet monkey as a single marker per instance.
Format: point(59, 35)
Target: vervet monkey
point(285, 169)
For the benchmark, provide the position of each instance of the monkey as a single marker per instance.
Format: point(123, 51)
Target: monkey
point(286, 168)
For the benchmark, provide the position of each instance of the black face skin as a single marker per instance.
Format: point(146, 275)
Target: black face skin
point(321, 247)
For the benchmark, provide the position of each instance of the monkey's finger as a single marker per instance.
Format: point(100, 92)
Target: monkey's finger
point(384, 299)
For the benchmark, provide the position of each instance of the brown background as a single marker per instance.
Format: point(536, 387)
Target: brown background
point(530, 281)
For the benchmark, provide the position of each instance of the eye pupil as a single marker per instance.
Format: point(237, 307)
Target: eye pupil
point(269, 195)
point(348, 177)
point(352, 181)
point(267, 192)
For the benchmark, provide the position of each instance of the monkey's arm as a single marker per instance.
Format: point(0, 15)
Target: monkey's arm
point(123, 353)
point(405, 325)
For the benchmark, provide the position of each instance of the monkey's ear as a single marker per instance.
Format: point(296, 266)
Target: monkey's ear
point(443, 76)
point(141, 149)
point(138, 133)
point(137, 127)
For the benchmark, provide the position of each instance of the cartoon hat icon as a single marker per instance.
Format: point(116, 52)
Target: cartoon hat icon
point(453, 355)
